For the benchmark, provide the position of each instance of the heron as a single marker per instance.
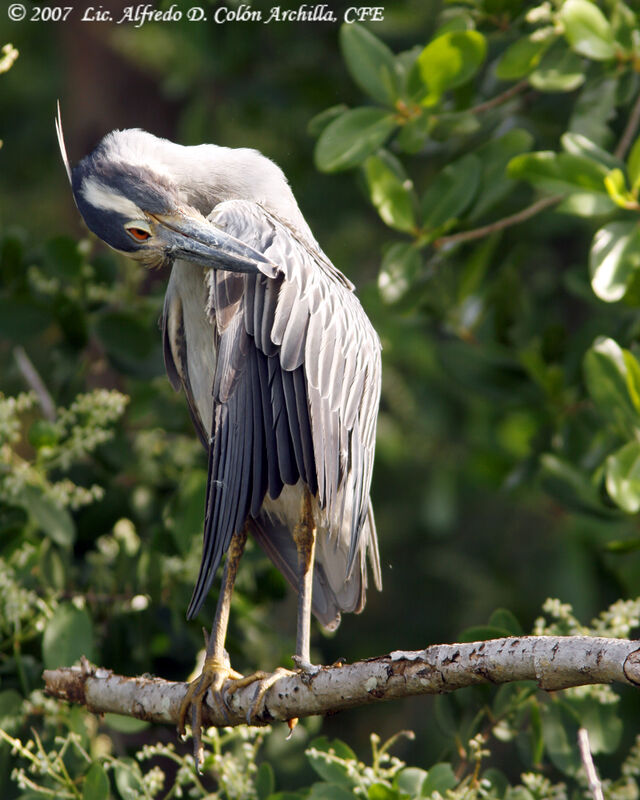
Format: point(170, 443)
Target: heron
point(277, 359)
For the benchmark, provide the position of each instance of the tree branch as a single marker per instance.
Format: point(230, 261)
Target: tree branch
point(498, 100)
point(630, 131)
point(595, 786)
point(506, 222)
point(553, 662)
point(35, 382)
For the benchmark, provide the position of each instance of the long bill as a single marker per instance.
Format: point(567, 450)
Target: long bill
point(199, 241)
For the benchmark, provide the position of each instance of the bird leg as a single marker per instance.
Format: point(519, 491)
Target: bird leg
point(304, 536)
point(217, 669)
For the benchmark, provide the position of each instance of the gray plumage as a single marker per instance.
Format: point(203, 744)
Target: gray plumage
point(278, 361)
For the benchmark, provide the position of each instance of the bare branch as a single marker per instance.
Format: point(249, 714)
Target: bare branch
point(506, 222)
point(499, 99)
point(595, 787)
point(553, 662)
point(34, 381)
point(630, 131)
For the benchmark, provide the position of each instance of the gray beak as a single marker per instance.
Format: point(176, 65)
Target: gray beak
point(201, 242)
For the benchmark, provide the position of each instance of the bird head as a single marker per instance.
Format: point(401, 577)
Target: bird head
point(130, 201)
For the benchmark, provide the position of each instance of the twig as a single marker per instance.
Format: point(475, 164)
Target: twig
point(589, 767)
point(35, 382)
point(630, 130)
point(501, 224)
point(553, 662)
point(499, 99)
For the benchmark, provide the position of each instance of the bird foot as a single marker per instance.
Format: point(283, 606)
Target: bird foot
point(264, 681)
point(214, 675)
point(305, 667)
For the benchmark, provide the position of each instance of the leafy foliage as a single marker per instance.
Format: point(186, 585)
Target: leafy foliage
point(498, 165)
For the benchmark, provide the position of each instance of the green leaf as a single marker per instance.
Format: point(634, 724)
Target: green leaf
point(511, 695)
point(128, 778)
point(570, 487)
point(480, 633)
point(380, 791)
point(633, 166)
point(96, 784)
point(446, 126)
point(329, 791)
point(62, 258)
point(370, 62)
point(449, 61)
point(518, 793)
point(613, 384)
point(624, 24)
point(602, 721)
point(520, 58)
point(622, 476)
point(410, 780)
point(440, 778)
point(560, 730)
point(68, 635)
point(43, 434)
point(390, 192)
point(559, 173)
point(579, 145)
point(498, 781)
point(318, 123)
point(560, 70)
point(53, 521)
point(505, 619)
point(288, 796)
point(11, 713)
point(332, 769)
point(21, 320)
point(623, 546)
point(131, 344)
point(586, 204)
point(494, 157)
point(400, 266)
point(353, 136)
point(613, 259)
point(616, 186)
point(595, 106)
point(414, 133)
point(535, 732)
point(264, 781)
point(451, 192)
point(124, 724)
point(587, 30)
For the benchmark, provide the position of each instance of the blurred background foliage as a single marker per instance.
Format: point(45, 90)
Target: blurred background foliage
point(473, 168)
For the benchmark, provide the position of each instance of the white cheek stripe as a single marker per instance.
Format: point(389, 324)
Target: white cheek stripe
point(100, 196)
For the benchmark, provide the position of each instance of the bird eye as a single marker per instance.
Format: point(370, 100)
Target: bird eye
point(139, 234)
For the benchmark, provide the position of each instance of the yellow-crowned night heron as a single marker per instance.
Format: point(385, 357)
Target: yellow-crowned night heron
point(277, 359)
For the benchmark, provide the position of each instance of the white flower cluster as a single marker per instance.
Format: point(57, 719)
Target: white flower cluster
point(76, 432)
point(86, 424)
point(21, 610)
point(541, 787)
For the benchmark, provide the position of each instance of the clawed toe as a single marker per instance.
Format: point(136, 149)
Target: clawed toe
point(214, 675)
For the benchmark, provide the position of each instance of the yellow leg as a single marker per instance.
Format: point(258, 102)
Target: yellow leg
point(217, 669)
point(304, 536)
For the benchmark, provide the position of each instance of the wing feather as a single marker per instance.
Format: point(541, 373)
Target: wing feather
point(295, 392)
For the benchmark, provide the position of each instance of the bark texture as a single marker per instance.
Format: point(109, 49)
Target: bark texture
point(552, 662)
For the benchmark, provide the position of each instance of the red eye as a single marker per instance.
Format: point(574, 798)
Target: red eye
point(139, 234)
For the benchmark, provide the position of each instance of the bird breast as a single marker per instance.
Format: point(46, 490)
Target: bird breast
point(187, 298)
